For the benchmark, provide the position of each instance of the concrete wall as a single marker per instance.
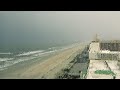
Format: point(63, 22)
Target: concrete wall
point(94, 47)
point(93, 56)
point(93, 50)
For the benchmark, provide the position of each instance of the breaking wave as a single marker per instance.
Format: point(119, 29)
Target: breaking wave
point(30, 53)
point(25, 56)
point(5, 59)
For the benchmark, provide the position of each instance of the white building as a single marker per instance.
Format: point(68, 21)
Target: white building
point(96, 53)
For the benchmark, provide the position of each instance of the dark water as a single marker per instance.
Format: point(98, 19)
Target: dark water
point(21, 48)
point(10, 56)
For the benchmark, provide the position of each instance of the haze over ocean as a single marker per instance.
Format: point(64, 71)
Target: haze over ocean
point(43, 29)
point(26, 35)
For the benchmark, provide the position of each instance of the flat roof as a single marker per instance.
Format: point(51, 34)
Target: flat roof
point(100, 65)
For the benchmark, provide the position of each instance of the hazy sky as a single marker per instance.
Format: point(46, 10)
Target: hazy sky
point(57, 26)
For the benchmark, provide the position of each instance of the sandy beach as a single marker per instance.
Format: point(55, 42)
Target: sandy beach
point(47, 68)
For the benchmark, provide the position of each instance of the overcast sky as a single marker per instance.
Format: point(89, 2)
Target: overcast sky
point(57, 26)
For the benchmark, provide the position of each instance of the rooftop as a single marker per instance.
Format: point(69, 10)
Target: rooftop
point(103, 65)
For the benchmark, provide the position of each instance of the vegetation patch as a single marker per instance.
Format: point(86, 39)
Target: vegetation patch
point(107, 72)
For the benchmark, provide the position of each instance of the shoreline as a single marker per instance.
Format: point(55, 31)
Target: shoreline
point(41, 66)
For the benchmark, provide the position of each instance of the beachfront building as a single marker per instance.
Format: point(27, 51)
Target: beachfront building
point(104, 50)
point(104, 57)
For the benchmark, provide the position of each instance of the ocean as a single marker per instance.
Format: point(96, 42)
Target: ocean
point(9, 57)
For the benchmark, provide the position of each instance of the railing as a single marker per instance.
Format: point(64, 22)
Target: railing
point(108, 56)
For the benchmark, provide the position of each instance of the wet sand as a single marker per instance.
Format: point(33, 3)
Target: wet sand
point(46, 67)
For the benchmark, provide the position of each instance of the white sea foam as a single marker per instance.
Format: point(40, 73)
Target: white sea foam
point(12, 62)
point(30, 53)
point(5, 59)
point(35, 54)
point(44, 53)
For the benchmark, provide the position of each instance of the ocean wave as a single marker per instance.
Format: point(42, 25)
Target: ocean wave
point(30, 53)
point(33, 54)
point(6, 53)
point(12, 62)
point(5, 59)
point(44, 53)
